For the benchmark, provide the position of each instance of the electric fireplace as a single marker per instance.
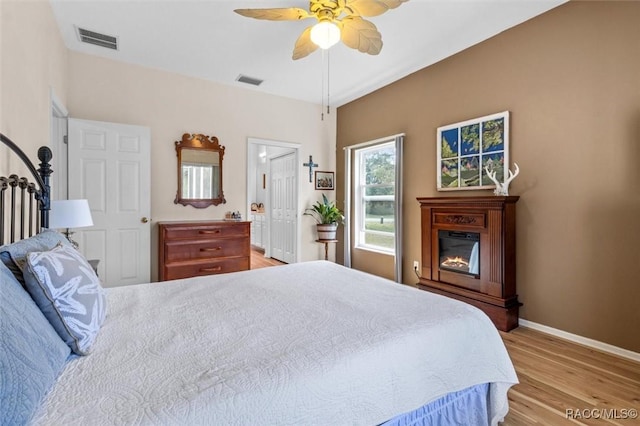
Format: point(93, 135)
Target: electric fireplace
point(468, 253)
point(459, 251)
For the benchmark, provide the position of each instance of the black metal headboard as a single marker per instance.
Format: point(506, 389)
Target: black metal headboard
point(31, 219)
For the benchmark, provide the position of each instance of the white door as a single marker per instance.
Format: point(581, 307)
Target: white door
point(109, 165)
point(283, 205)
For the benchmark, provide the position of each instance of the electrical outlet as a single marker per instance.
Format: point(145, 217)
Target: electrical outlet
point(416, 265)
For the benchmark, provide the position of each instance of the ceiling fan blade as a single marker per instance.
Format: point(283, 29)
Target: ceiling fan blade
point(304, 45)
point(371, 7)
point(358, 33)
point(281, 14)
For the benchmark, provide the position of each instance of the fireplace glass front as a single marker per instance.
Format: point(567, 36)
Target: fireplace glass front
point(459, 252)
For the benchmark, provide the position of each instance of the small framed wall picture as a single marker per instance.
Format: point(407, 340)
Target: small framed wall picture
point(324, 180)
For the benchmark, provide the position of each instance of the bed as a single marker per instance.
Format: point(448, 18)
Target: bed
point(308, 343)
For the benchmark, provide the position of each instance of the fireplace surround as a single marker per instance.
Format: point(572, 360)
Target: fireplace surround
point(469, 253)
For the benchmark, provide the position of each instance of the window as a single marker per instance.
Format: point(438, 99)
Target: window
point(375, 197)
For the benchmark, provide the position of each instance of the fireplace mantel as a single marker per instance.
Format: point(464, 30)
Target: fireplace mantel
point(491, 222)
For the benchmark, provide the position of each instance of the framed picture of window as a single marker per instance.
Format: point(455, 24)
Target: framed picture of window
point(324, 180)
point(466, 150)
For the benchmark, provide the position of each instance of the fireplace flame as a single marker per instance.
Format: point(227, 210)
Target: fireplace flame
point(455, 262)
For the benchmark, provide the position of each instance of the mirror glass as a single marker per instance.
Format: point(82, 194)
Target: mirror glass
point(200, 174)
point(199, 171)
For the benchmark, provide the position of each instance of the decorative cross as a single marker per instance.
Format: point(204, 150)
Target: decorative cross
point(310, 165)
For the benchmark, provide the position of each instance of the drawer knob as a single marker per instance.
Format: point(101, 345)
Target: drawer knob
point(211, 249)
point(216, 231)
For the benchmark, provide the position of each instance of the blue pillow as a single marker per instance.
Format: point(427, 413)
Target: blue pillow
point(14, 255)
point(31, 352)
point(69, 294)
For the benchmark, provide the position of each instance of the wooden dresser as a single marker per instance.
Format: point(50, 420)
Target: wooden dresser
point(193, 248)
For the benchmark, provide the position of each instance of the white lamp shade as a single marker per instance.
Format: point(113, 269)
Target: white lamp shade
point(325, 34)
point(70, 214)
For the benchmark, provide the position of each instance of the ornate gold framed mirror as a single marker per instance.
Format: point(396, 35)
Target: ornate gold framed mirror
point(199, 171)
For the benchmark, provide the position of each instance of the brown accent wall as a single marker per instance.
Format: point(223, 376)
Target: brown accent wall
point(571, 80)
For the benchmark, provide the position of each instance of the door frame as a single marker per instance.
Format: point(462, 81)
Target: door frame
point(252, 155)
point(59, 148)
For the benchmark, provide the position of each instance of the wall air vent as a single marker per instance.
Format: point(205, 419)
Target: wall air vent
point(249, 80)
point(92, 37)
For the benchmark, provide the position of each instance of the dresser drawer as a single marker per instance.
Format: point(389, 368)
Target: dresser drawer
point(178, 250)
point(206, 231)
point(209, 267)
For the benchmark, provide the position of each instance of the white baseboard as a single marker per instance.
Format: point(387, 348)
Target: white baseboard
point(605, 347)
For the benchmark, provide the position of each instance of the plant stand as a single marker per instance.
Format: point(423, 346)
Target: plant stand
point(326, 247)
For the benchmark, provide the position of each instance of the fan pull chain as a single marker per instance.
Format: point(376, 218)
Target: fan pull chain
point(326, 73)
point(322, 89)
point(328, 80)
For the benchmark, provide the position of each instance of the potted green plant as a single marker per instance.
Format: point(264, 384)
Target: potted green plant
point(328, 216)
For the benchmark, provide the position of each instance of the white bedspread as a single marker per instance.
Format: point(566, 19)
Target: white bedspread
point(308, 343)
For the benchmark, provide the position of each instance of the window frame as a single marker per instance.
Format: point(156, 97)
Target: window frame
point(361, 198)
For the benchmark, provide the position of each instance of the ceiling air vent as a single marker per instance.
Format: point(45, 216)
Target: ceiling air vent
point(249, 80)
point(92, 37)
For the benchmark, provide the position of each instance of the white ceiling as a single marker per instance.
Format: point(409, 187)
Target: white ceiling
point(206, 39)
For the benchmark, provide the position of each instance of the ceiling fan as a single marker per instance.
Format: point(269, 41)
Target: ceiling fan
point(337, 20)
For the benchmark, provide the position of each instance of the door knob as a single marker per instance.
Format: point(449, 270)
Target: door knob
point(144, 220)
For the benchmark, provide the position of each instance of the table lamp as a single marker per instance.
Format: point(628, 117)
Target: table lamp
point(70, 214)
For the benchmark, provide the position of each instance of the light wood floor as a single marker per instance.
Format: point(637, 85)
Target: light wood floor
point(557, 375)
point(259, 261)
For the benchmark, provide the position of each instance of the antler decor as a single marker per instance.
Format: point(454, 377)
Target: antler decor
point(502, 188)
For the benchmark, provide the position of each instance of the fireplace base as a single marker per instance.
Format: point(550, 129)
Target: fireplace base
point(490, 223)
point(504, 314)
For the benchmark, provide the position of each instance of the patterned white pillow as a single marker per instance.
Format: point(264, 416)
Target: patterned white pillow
point(69, 294)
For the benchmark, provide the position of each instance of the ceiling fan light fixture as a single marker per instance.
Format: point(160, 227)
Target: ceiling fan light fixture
point(325, 34)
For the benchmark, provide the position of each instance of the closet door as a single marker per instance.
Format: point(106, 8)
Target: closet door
point(283, 206)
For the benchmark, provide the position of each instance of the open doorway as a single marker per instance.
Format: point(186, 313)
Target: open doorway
point(272, 198)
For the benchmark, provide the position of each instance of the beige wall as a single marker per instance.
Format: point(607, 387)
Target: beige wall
point(33, 60)
point(571, 79)
point(171, 105)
